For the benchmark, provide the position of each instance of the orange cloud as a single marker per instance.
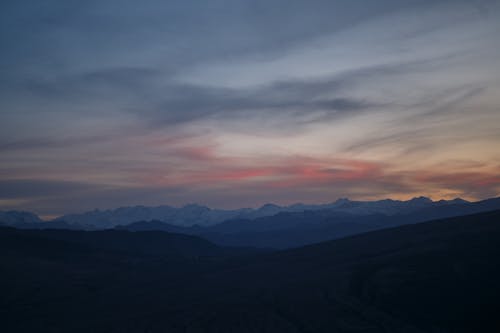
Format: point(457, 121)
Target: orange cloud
point(460, 179)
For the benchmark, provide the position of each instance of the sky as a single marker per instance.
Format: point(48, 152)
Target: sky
point(236, 103)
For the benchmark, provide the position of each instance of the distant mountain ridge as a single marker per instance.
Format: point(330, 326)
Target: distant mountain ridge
point(119, 241)
point(292, 229)
point(269, 226)
point(194, 214)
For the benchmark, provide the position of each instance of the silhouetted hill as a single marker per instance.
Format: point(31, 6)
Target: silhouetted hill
point(140, 243)
point(439, 276)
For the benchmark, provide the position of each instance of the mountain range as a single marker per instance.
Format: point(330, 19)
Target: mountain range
point(270, 226)
point(292, 229)
point(194, 214)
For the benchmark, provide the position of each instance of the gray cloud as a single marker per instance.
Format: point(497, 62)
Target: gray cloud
point(137, 90)
point(182, 32)
point(46, 46)
point(416, 131)
point(50, 142)
point(160, 100)
point(124, 60)
point(33, 188)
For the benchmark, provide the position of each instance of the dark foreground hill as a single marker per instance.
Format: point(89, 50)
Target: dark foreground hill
point(145, 243)
point(440, 276)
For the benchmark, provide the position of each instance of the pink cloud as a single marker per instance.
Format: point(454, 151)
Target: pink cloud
point(278, 172)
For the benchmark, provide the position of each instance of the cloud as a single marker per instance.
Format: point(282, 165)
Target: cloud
point(178, 32)
point(163, 102)
point(34, 188)
point(476, 184)
point(51, 142)
point(207, 184)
